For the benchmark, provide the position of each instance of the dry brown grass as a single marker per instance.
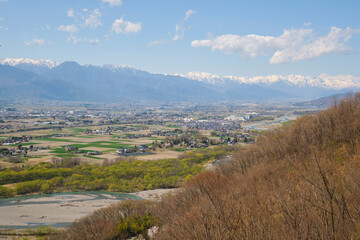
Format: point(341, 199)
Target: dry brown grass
point(296, 183)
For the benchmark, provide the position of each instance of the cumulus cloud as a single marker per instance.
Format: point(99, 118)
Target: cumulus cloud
point(113, 2)
point(179, 28)
point(125, 27)
point(34, 41)
point(68, 28)
point(293, 45)
point(93, 20)
point(86, 17)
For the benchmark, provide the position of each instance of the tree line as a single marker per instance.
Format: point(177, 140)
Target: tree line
point(121, 175)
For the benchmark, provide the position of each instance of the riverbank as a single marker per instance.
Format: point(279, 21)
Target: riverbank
point(61, 209)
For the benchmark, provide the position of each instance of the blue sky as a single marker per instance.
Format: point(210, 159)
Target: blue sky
point(242, 38)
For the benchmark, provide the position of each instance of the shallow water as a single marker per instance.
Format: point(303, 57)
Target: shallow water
point(55, 202)
point(263, 125)
point(92, 195)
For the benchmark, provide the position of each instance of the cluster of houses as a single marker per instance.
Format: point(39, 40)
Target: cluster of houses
point(213, 125)
point(242, 118)
point(189, 141)
point(141, 149)
point(6, 126)
point(69, 148)
point(135, 136)
point(108, 130)
point(18, 140)
point(19, 151)
point(15, 140)
point(5, 152)
point(239, 136)
point(185, 140)
point(167, 133)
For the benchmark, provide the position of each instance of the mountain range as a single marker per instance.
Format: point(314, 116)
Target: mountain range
point(45, 79)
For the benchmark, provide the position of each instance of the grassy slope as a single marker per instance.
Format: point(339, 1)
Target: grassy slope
point(300, 181)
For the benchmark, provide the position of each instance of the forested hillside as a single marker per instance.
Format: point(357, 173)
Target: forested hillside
point(298, 182)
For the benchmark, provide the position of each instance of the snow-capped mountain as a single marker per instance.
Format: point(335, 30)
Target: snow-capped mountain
point(115, 68)
point(322, 81)
point(204, 77)
point(27, 61)
point(33, 65)
point(122, 82)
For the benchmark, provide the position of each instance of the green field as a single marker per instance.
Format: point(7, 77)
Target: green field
point(56, 140)
point(29, 143)
point(101, 144)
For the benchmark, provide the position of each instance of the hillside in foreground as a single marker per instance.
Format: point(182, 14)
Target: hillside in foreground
point(298, 182)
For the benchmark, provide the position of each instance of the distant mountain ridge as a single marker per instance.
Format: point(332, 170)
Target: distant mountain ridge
point(121, 82)
point(23, 84)
point(27, 61)
point(322, 81)
point(326, 102)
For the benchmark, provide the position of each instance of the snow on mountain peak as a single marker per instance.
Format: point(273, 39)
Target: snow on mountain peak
point(118, 67)
point(42, 62)
point(336, 82)
point(322, 81)
point(203, 77)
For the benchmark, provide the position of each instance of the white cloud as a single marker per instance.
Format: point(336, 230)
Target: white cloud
point(68, 28)
point(93, 20)
point(83, 18)
point(307, 24)
point(76, 40)
point(179, 32)
point(35, 41)
point(113, 2)
point(189, 13)
point(1, 19)
point(125, 27)
point(70, 13)
point(179, 28)
point(94, 41)
point(293, 45)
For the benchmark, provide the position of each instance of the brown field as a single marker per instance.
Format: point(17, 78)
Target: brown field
point(162, 154)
